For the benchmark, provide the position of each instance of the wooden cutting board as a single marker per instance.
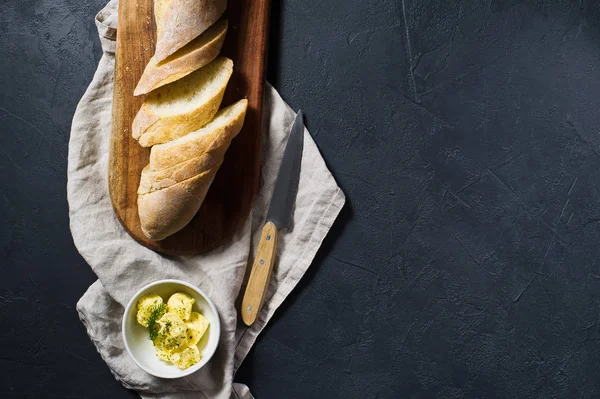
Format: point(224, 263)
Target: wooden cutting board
point(232, 193)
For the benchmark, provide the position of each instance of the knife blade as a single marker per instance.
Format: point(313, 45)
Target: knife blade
point(286, 185)
point(278, 218)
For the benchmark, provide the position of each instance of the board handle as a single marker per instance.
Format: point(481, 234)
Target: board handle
point(260, 274)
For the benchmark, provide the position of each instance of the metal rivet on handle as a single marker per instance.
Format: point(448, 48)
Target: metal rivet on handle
point(262, 262)
point(268, 238)
point(249, 308)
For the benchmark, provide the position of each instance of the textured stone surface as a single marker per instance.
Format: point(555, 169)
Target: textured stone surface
point(465, 135)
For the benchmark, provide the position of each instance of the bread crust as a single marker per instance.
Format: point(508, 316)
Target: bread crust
point(165, 212)
point(180, 21)
point(149, 128)
point(196, 54)
point(201, 141)
point(152, 180)
point(174, 184)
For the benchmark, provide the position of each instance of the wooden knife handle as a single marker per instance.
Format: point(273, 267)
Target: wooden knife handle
point(260, 274)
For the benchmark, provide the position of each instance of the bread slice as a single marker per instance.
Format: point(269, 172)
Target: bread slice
point(178, 22)
point(165, 212)
point(174, 184)
point(152, 180)
point(226, 125)
point(186, 60)
point(183, 106)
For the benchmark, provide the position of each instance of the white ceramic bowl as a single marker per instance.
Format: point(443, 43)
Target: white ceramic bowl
point(141, 349)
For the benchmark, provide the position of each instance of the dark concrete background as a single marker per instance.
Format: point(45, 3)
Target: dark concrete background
point(465, 263)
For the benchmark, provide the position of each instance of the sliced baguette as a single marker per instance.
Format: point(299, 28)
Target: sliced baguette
point(152, 180)
point(165, 212)
point(178, 22)
point(185, 105)
point(226, 125)
point(186, 60)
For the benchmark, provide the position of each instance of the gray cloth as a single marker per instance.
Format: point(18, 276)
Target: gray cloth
point(123, 266)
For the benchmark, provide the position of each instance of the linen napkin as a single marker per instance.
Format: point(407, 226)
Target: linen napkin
point(123, 266)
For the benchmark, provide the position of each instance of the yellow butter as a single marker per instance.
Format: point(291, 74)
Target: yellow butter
point(172, 332)
point(180, 304)
point(146, 305)
point(187, 357)
point(163, 355)
point(197, 326)
point(178, 329)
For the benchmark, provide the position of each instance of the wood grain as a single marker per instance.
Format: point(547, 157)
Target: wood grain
point(232, 193)
point(260, 275)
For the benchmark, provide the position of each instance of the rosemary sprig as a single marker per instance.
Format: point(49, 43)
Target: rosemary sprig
point(157, 311)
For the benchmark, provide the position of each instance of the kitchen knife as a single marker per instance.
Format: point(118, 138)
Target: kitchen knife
point(278, 218)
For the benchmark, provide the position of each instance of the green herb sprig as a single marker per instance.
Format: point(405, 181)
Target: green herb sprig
point(157, 311)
